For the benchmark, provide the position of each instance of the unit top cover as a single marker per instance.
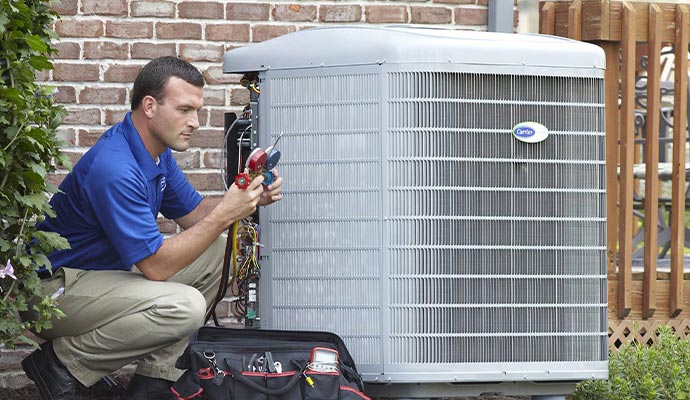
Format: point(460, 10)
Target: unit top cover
point(367, 45)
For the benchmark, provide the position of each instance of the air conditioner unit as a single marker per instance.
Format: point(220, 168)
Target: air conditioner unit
point(444, 204)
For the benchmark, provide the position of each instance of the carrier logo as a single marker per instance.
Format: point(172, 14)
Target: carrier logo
point(530, 132)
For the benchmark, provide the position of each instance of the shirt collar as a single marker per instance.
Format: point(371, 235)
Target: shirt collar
point(144, 159)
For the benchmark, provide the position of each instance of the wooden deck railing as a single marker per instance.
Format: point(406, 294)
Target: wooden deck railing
point(618, 27)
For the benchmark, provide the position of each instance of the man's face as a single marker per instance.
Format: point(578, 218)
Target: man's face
point(176, 116)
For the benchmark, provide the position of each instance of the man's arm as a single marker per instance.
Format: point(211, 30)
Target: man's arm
point(199, 213)
point(271, 194)
point(181, 250)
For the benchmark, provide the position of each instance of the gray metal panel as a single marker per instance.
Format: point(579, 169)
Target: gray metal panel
point(416, 227)
point(324, 270)
point(372, 45)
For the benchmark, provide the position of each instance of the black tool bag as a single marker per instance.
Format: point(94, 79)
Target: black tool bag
point(240, 364)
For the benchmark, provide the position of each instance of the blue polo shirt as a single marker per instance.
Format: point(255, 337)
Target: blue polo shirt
point(108, 205)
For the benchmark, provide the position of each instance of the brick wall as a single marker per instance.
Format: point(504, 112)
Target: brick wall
point(103, 44)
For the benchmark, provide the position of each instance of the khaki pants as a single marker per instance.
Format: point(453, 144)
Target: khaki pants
point(116, 317)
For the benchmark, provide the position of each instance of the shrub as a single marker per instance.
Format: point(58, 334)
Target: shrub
point(29, 152)
point(660, 371)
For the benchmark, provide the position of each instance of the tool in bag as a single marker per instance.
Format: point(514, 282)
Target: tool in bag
point(240, 364)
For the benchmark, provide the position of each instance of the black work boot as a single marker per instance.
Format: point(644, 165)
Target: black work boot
point(146, 388)
point(53, 380)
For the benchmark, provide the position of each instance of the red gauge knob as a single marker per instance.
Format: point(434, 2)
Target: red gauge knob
point(256, 160)
point(242, 181)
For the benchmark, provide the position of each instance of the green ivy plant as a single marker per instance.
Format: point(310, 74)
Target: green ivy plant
point(29, 153)
point(637, 371)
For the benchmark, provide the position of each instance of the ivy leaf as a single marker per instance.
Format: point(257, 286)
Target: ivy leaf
point(3, 21)
point(12, 94)
point(36, 43)
point(40, 63)
point(29, 341)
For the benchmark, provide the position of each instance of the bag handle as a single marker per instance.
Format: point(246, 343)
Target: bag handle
point(237, 374)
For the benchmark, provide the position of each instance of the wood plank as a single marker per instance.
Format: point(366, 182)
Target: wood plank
point(595, 20)
point(605, 20)
point(651, 202)
point(627, 160)
point(662, 300)
point(575, 20)
point(678, 179)
point(547, 20)
point(611, 49)
point(667, 31)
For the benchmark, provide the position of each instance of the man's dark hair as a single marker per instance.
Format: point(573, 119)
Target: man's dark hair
point(154, 76)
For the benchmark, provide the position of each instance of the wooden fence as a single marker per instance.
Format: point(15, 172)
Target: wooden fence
point(638, 302)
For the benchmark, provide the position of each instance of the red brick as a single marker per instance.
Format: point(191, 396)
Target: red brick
point(11, 359)
point(215, 76)
point(213, 159)
point(122, 73)
point(67, 50)
point(201, 52)
point(102, 95)
point(66, 94)
point(203, 117)
point(89, 137)
point(217, 117)
point(385, 14)
point(294, 12)
point(178, 30)
point(149, 51)
point(100, 7)
point(67, 135)
point(205, 181)
point(42, 76)
point(239, 97)
point(82, 116)
point(228, 32)
point(187, 159)
point(71, 72)
point(101, 50)
point(64, 7)
point(115, 115)
point(214, 97)
point(162, 9)
point(340, 13)
point(471, 16)
point(80, 28)
point(431, 15)
point(212, 138)
point(198, 9)
point(223, 309)
point(128, 29)
point(266, 32)
point(73, 155)
point(248, 11)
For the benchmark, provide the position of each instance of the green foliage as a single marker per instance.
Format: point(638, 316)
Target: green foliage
point(29, 152)
point(640, 372)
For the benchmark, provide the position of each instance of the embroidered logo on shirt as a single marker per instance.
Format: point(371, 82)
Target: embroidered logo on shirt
point(163, 184)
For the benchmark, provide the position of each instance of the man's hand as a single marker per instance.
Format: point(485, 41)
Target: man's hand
point(272, 192)
point(241, 203)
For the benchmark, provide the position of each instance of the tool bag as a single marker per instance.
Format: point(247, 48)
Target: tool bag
point(242, 364)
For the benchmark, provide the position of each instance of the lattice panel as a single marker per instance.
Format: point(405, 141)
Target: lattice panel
point(622, 332)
